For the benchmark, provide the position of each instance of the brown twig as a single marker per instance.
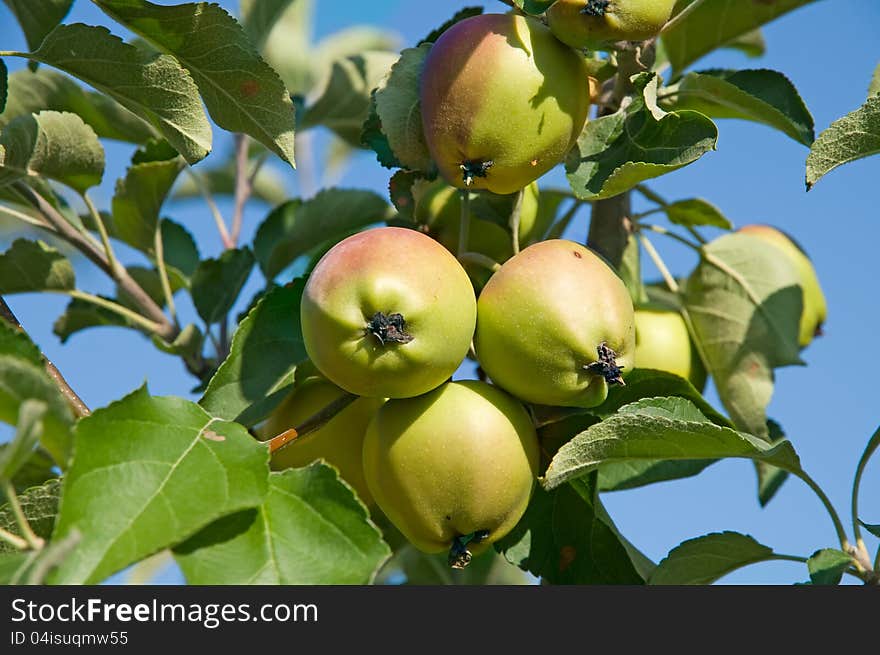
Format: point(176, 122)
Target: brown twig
point(243, 186)
point(79, 408)
point(311, 424)
point(166, 329)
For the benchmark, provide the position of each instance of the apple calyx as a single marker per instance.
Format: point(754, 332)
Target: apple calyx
point(596, 7)
point(606, 366)
point(388, 328)
point(471, 170)
point(459, 555)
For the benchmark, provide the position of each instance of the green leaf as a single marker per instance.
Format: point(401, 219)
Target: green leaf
point(706, 559)
point(631, 475)
point(179, 247)
point(763, 96)
point(138, 201)
point(826, 566)
point(751, 44)
point(32, 568)
point(460, 15)
point(148, 279)
point(242, 93)
point(258, 17)
point(874, 87)
point(534, 7)
point(399, 110)
point(659, 429)
point(216, 283)
point(34, 266)
point(38, 17)
point(696, 211)
point(148, 473)
point(39, 506)
point(873, 529)
point(30, 91)
point(23, 377)
point(717, 23)
point(615, 153)
point(297, 227)
point(345, 103)
point(641, 383)
point(52, 144)
point(564, 538)
point(375, 139)
point(34, 471)
point(81, 315)
point(650, 383)
point(150, 85)
point(744, 303)
point(418, 568)
point(853, 137)
point(265, 350)
point(770, 478)
point(310, 529)
point(29, 427)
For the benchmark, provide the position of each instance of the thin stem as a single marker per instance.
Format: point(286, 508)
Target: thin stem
point(215, 210)
point(76, 403)
point(116, 308)
point(696, 235)
point(465, 224)
point(32, 540)
point(14, 540)
point(515, 218)
point(480, 260)
point(857, 481)
point(243, 186)
point(838, 524)
point(102, 230)
point(789, 558)
point(27, 219)
point(311, 424)
point(659, 263)
point(637, 217)
point(153, 313)
point(167, 292)
point(672, 235)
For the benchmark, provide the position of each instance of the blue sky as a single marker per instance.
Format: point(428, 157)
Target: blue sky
point(828, 409)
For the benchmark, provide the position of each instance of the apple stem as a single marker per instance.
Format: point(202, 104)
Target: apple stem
point(459, 555)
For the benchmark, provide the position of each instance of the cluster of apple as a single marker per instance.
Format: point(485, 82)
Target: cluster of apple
point(390, 314)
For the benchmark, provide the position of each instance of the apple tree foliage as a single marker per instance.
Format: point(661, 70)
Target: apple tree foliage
point(89, 493)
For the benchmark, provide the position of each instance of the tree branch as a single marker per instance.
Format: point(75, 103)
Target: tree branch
point(166, 329)
point(79, 408)
point(311, 424)
point(243, 186)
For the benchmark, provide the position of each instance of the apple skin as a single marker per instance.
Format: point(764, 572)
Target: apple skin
point(392, 271)
point(460, 459)
point(663, 343)
point(504, 134)
point(815, 310)
point(542, 318)
point(339, 441)
point(593, 24)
